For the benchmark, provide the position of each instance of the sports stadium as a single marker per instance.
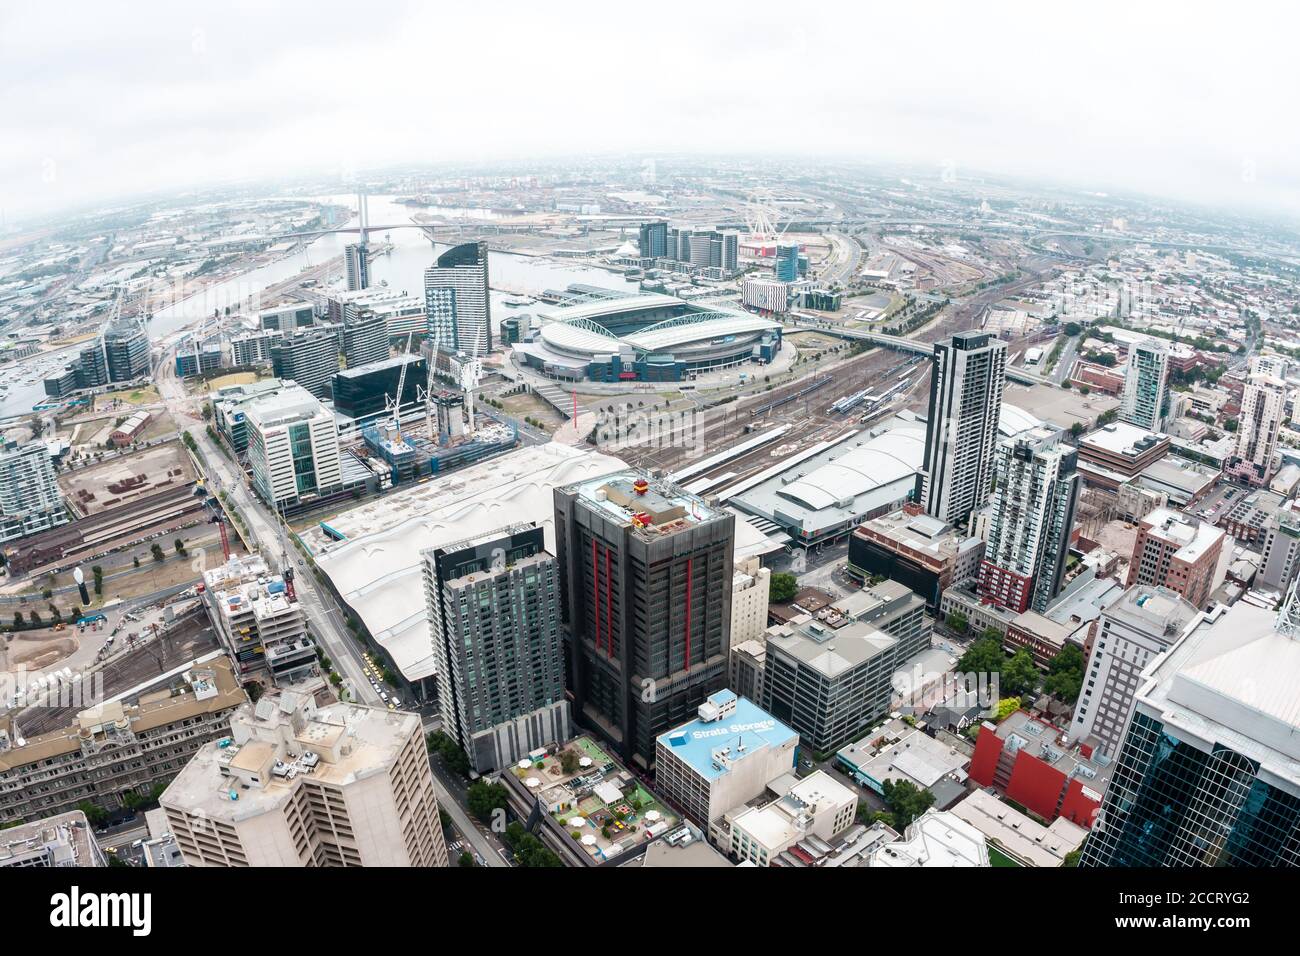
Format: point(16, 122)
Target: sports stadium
point(643, 338)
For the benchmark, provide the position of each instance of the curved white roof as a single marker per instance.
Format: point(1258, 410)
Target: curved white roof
point(738, 323)
point(887, 458)
point(1013, 420)
point(599, 308)
point(377, 568)
point(569, 337)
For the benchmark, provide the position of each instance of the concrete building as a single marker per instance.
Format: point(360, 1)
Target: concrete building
point(1029, 528)
point(745, 669)
point(817, 806)
point(723, 758)
point(962, 425)
point(750, 587)
point(1145, 402)
point(494, 621)
point(924, 554)
point(64, 839)
point(1028, 760)
point(29, 495)
point(1263, 410)
point(935, 839)
point(456, 303)
point(831, 683)
point(293, 447)
point(287, 318)
point(1018, 835)
point(127, 744)
point(1179, 552)
point(1118, 452)
point(309, 358)
point(1133, 502)
point(901, 753)
point(648, 569)
point(295, 784)
point(1207, 774)
point(1043, 637)
point(258, 620)
point(1281, 555)
point(252, 348)
point(1130, 633)
point(228, 406)
point(126, 350)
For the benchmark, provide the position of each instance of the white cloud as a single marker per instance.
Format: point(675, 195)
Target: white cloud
point(1171, 98)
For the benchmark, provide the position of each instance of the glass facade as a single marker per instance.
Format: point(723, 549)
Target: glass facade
point(1171, 803)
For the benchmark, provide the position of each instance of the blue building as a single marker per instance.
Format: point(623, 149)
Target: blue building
point(787, 262)
point(723, 758)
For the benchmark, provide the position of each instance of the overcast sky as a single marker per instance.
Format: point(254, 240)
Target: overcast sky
point(103, 100)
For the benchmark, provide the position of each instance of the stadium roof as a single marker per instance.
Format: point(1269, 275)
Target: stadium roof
point(884, 459)
point(692, 328)
point(376, 566)
point(607, 307)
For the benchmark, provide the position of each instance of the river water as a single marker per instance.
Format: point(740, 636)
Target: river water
point(402, 269)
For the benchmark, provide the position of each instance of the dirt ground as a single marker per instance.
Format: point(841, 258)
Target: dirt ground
point(35, 651)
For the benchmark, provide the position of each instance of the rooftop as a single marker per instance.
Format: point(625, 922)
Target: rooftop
point(830, 652)
point(1193, 538)
point(65, 839)
point(279, 739)
point(727, 729)
point(1021, 836)
point(652, 507)
point(902, 752)
point(936, 839)
point(371, 553)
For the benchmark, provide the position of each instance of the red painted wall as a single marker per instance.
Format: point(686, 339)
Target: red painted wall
point(988, 747)
point(1035, 785)
point(1077, 807)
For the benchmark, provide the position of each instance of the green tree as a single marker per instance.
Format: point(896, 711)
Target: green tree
point(96, 814)
point(958, 622)
point(157, 552)
point(569, 761)
point(782, 587)
point(985, 656)
point(906, 802)
point(1019, 675)
point(484, 799)
point(1065, 674)
point(466, 859)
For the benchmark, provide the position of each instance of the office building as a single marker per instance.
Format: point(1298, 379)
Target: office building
point(1145, 402)
point(258, 619)
point(123, 746)
point(366, 392)
point(829, 683)
point(745, 669)
point(648, 570)
point(287, 318)
point(457, 306)
point(404, 312)
point(653, 240)
point(228, 405)
point(817, 807)
point(294, 784)
point(1207, 774)
point(1179, 552)
point(1037, 488)
point(924, 554)
point(1130, 633)
point(309, 358)
point(723, 758)
point(29, 496)
point(356, 264)
point(494, 622)
point(293, 447)
point(365, 338)
point(962, 426)
point(126, 350)
point(787, 262)
point(64, 839)
point(191, 362)
point(1263, 410)
point(253, 348)
point(765, 295)
point(1281, 555)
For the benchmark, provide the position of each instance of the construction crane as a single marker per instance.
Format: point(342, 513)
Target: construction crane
point(429, 374)
point(401, 384)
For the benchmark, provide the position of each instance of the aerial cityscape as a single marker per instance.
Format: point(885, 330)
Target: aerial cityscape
point(438, 501)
